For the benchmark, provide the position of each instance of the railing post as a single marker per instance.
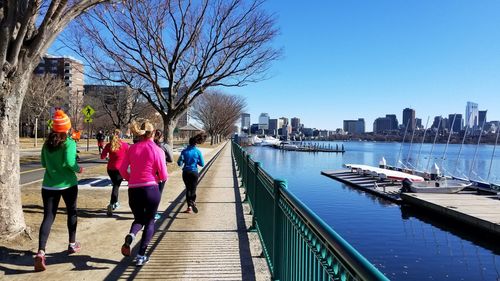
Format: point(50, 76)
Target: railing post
point(279, 184)
point(246, 161)
point(253, 227)
point(243, 173)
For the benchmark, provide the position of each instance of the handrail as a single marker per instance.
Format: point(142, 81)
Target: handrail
point(297, 244)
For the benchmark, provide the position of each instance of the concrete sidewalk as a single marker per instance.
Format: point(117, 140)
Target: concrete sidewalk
point(211, 245)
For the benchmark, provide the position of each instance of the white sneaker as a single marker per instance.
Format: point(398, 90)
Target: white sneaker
point(141, 260)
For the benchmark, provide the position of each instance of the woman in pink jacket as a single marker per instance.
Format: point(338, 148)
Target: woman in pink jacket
point(116, 150)
point(147, 169)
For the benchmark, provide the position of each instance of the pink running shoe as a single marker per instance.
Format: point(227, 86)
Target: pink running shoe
point(40, 262)
point(75, 248)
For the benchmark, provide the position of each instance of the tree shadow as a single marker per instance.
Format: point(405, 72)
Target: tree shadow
point(82, 212)
point(24, 258)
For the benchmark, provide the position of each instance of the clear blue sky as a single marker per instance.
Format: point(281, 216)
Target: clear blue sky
point(349, 59)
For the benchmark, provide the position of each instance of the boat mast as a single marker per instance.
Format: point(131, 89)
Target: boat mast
point(493, 154)
point(409, 150)
point(422, 143)
point(462, 145)
point(477, 146)
point(448, 142)
point(433, 144)
point(401, 149)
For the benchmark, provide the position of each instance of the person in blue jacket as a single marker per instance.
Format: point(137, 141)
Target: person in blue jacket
point(191, 158)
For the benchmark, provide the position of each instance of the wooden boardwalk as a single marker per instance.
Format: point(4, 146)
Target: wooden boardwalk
point(385, 189)
point(482, 211)
point(211, 245)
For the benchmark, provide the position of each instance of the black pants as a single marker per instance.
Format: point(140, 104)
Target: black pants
point(190, 179)
point(51, 200)
point(116, 179)
point(143, 202)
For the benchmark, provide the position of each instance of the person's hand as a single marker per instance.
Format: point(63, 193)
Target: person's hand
point(81, 170)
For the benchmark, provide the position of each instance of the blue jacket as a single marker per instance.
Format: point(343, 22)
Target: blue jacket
point(191, 158)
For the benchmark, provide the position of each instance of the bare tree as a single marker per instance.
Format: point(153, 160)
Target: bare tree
point(172, 51)
point(27, 29)
point(120, 104)
point(43, 91)
point(218, 113)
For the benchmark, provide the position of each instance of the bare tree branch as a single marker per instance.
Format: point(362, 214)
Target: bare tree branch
point(172, 51)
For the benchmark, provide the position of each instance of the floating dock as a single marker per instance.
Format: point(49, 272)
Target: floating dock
point(468, 207)
point(480, 211)
point(310, 147)
point(386, 189)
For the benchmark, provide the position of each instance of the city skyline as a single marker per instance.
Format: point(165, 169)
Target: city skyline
point(346, 61)
point(397, 119)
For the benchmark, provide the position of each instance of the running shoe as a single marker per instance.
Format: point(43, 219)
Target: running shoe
point(116, 206)
point(126, 246)
point(189, 210)
point(109, 211)
point(195, 209)
point(75, 248)
point(157, 216)
point(40, 262)
point(141, 260)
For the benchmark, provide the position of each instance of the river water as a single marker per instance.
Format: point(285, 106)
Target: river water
point(402, 242)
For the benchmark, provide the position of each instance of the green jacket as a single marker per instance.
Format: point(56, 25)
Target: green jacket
point(60, 165)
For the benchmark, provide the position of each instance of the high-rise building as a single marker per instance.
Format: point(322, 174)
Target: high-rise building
point(360, 126)
point(409, 118)
point(455, 122)
point(254, 129)
point(482, 117)
point(418, 123)
point(394, 121)
point(273, 127)
point(264, 121)
point(350, 126)
point(471, 115)
point(437, 124)
point(295, 122)
point(71, 71)
point(245, 122)
point(381, 125)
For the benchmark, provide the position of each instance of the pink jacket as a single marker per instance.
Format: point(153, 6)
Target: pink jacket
point(147, 165)
point(115, 157)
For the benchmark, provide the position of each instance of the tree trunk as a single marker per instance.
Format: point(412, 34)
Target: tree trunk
point(168, 129)
point(11, 211)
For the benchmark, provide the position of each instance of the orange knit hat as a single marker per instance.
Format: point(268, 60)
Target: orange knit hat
point(61, 122)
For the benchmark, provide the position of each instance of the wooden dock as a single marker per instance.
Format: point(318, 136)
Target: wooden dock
point(385, 189)
point(482, 211)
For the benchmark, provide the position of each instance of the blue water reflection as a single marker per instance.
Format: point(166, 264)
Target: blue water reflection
point(404, 243)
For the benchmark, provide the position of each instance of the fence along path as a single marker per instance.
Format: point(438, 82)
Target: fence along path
point(211, 245)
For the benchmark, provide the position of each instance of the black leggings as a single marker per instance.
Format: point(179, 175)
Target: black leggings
point(190, 179)
point(116, 179)
point(50, 204)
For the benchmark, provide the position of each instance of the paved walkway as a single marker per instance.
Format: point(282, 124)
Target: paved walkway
point(211, 245)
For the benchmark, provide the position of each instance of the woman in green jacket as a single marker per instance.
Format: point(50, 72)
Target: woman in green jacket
point(59, 160)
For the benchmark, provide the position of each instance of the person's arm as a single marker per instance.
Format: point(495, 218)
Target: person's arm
point(180, 161)
point(201, 162)
point(42, 156)
point(161, 166)
point(105, 151)
point(70, 156)
point(124, 168)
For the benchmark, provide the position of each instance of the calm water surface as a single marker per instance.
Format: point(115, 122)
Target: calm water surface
point(404, 243)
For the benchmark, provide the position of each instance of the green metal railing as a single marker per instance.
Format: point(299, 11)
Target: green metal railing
point(297, 244)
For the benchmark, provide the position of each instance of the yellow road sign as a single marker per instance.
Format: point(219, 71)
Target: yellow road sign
point(49, 123)
point(88, 111)
point(88, 120)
